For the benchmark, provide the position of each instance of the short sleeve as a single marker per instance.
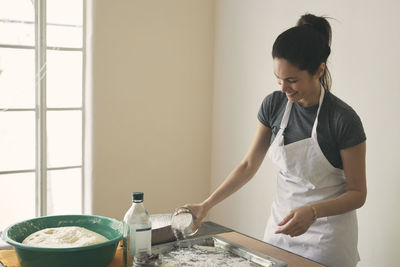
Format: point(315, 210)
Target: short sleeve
point(263, 113)
point(350, 130)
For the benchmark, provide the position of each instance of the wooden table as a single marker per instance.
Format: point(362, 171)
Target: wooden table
point(291, 259)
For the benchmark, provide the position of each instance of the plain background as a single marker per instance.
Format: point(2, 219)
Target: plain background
point(176, 89)
point(152, 103)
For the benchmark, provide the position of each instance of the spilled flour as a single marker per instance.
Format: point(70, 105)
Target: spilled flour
point(204, 256)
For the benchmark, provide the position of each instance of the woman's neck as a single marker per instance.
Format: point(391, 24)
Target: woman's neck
point(312, 98)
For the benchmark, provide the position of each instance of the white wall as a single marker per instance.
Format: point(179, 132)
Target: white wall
point(364, 66)
point(152, 93)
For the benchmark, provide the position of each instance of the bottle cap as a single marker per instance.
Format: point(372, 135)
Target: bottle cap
point(137, 196)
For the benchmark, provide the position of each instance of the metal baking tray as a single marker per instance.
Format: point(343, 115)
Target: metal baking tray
point(253, 258)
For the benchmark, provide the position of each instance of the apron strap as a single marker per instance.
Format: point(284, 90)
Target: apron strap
point(286, 115)
point(321, 99)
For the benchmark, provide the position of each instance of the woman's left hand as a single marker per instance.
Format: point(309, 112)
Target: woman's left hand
point(298, 221)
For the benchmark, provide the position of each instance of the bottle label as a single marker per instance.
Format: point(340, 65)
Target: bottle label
point(142, 240)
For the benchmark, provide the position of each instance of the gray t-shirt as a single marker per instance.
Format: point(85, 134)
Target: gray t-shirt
point(339, 126)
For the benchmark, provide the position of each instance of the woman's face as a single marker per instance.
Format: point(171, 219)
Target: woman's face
point(298, 85)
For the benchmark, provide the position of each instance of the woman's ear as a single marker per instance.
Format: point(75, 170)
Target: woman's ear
point(320, 70)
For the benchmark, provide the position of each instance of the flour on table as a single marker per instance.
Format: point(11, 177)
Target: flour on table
point(205, 256)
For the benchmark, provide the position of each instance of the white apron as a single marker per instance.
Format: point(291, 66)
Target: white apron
point(306, 176)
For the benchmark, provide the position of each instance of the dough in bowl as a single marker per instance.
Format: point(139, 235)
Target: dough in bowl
point(64, 237)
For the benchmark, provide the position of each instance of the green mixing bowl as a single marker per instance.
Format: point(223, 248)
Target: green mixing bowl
point(97, 255)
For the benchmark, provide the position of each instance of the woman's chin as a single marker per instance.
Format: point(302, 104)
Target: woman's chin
point(292, 97)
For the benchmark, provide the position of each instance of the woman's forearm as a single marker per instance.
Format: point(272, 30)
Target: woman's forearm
point(346, 202)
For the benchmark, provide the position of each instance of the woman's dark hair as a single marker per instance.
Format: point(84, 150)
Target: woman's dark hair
point(306, 46)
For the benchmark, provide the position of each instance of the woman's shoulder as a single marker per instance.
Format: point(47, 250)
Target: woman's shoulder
point(337, 106)
point(271, 107)
point(346, 124)
point(277, 94)
point(275, 98)
point(274, 103)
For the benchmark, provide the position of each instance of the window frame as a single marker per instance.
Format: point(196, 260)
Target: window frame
point(40, 47)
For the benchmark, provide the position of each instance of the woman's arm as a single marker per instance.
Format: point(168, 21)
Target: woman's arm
point(353, 159)
point(239, 176)
point(354, 169)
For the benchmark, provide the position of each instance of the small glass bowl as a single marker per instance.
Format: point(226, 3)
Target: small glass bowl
point(188, 228)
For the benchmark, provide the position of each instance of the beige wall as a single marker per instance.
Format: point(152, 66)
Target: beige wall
point(152, 95)
point(364, 66)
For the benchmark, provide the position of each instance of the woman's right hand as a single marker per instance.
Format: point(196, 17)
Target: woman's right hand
point(199, 211)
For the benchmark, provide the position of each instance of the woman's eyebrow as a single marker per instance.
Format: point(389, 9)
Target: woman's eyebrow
point(290, 77)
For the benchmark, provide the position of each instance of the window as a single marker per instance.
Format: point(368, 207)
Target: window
point(42, 108)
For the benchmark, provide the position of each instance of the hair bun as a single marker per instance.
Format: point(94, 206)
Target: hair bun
point(320, 24)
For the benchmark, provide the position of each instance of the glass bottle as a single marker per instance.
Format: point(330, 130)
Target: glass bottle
point(137, 233)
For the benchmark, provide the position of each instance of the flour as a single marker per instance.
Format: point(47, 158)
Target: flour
point(204, 256)
point(64, 237)
point(181, 221)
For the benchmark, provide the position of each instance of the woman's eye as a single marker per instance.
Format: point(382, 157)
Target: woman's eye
point(280, 82)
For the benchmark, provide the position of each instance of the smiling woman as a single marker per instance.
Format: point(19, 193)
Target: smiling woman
point(315, 171)
point(318, 142)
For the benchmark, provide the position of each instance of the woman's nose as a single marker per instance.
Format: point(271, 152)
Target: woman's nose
point(283, 85)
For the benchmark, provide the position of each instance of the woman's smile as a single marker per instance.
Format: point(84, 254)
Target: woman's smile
point(291, 94)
